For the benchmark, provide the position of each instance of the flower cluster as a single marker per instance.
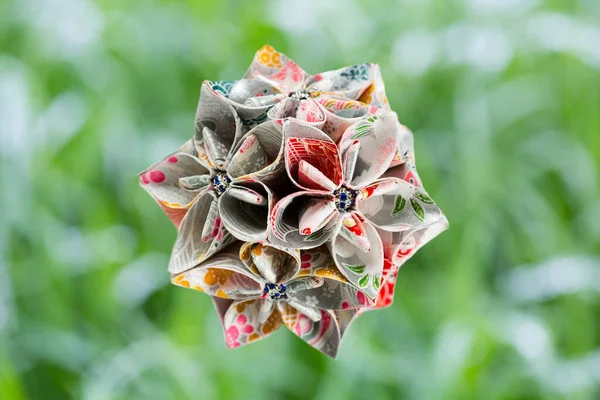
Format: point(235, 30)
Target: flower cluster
point(296, 201)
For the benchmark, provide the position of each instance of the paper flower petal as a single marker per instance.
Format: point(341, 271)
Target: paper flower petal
point(161, 180)
point(190, 247)
point(374, 94)
point(407, 171)
point(277, 69)
point(320, 284)
point(247, 89)
point(307, 111)
point(361, 82)
point(385, 298)
point(224, 276)
point(362, 268)
point(349, 82)
point(285, 223)
point(405, 147)
point(345, 318)
point(311, 178)
point(242, 322)
point(221, 306)
point(378, 141)
point(273, 264)
point(219, 118)
point(400, 246)
point(316, 214)
point(340, 114)
point(260, 155)
point(352, 229)
point(305, 143)
point(400, 206)
point(245, 210)
point(323, 335)
point(250, 98)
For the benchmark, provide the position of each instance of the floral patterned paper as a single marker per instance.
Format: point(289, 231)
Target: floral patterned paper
point(296, 200)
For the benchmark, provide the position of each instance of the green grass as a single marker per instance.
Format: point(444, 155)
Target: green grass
point(504, 100)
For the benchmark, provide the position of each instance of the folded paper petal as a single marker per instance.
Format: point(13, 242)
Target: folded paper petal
point(218, 128)
point(323, 335)
point(350, 158)
point(221, 306)
point(310, 112)
point(277, 69)
point(245, 210)
point(246, 89)
point(195, 182)
point(311, 178)
point(406, 171)
point(223, 276)
point(362, 268)
point(348, 82)
point(405, 147)
point(250, 157)
point(242, 322)
point(375, 93)
point(260, 155)
point(352, 229)
point(285, 222)
point(400, 246)
point(273, 264)
point(216, 147)
point(331, 295)
point(305, 143)
point(316, 214)
point(309, 310)
point(340, 114)
point(250, 98)
point(378, 140)
point(320, 283)
point(190, 247)
point(344, 319)
point(396, 205)
point(161, 180)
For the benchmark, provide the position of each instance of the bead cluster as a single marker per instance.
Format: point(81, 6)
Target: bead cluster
point(301, 95)
point(221, 182)
point(275, 291)
point(344, 198)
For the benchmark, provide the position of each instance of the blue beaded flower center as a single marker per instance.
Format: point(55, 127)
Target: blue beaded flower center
point(300, 95)
point(275, 291)
point(344, 198)
point(221, 182)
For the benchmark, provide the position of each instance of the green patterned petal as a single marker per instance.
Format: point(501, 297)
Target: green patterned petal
point(419, 212)
point(376, 282)
point(357, 269)
point(364, 281)
point(424, 198)
point(399, 206)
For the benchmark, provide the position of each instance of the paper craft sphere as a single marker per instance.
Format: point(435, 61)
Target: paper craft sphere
point(296, 201)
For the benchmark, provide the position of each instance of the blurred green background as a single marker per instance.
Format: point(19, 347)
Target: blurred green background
point(504, 100)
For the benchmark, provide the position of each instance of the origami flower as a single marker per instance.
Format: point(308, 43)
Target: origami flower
point(331, 100)
point(269, 287)
point(353, 208)
point(215, 187)
point(400, 242)
point(343, 197)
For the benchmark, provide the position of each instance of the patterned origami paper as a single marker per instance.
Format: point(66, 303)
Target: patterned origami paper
point(269, 287)
point(296, 201)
